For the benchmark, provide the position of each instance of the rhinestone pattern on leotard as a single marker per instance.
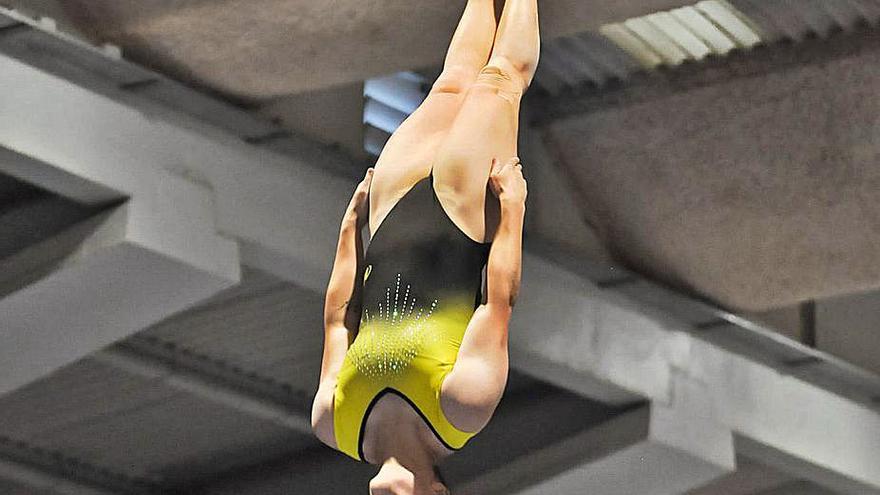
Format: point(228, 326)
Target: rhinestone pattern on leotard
point(388, 341)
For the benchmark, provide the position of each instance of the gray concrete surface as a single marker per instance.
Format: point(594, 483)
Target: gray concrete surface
point(703, 394)
point(329, 115)
point(266, 48)
point(849, 326)
point(756, 185)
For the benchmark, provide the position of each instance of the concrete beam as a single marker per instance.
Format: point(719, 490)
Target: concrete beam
point(805, 430)
point(797, 488)
point(591, 461)
point(261, 198)
point(114, 274)
point(51, 9)
point(526, 421)
point(58, 181)
point(85, 288)
point(539, 431)
point(195, 191)
point(749, 478)
point(27, 222)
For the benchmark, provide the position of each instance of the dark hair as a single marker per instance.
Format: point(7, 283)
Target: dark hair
point(439, 476)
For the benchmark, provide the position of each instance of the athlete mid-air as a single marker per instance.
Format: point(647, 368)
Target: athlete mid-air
point(415, 347)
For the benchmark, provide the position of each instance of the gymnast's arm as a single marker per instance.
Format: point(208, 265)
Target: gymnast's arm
point(342, 302)
point(504, 267)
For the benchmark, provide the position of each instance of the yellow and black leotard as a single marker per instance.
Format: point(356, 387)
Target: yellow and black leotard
point(421, 285)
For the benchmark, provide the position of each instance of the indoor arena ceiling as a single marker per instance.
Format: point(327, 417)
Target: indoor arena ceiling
point(708, 29)
point(214, 399)
point(745, 175)
point(269, 48)
point(266, 48)
point(273, 48)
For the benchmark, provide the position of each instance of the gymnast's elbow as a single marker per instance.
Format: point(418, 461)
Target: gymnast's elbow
point(503, 288)
point(514, 292)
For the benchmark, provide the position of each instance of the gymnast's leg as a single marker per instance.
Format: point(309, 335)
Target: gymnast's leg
point(405, 159)
point(408, 154)
point(485, 128)
point(487, 124)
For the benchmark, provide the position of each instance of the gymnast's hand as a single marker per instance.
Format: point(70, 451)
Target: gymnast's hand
point(360, 200)
point(507, 181)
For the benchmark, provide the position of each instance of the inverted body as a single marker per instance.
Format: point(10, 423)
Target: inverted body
point(422, 282)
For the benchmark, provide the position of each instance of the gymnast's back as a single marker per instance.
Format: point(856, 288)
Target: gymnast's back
point(421, 285)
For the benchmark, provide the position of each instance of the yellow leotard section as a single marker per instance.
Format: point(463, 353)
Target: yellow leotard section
point(407, 350)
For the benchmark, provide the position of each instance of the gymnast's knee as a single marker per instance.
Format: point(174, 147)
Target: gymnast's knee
point(454, 79)
point(503, 76)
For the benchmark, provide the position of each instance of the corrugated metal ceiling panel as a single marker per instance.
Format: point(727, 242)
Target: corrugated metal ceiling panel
point(679, 32)
point(709, 27)
point(83, 392)
point(146, 442)
point(262, 322)
point(11, 488)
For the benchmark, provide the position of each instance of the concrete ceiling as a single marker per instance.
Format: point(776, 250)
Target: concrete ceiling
point(751, 181)
point(256, 49)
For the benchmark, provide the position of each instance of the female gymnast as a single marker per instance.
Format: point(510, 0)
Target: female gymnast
point(415, 346)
